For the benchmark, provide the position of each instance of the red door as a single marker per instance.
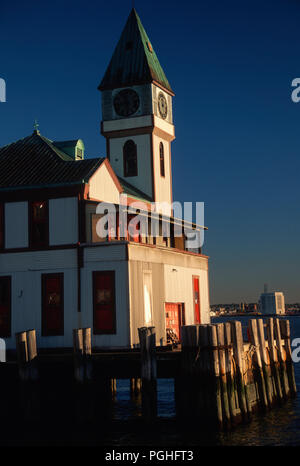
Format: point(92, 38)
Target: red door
point(104, 302)
point(5, 306)
point(196, 298)
point(173, 317)
point(53, 304)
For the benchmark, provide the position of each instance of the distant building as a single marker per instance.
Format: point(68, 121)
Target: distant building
point(272, 303)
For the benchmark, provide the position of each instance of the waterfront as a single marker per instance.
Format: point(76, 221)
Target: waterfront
point(278, 427)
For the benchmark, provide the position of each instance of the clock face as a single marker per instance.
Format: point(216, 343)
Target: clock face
point(162, 105)
point(126, 102)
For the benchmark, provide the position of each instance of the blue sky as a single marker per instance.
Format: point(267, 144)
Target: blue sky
point(231, 65)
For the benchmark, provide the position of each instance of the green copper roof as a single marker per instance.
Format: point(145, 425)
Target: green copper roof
point(134, 60)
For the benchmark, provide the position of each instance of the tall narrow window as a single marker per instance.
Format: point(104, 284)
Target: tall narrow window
point(1, 225)
point(52, 304)
point(39, 224)
point(5, 307)
point(130, 158)
point(104, 302)
point(162, 159)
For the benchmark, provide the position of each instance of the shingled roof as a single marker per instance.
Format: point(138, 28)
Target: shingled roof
point(134, 61)
point(35, 161)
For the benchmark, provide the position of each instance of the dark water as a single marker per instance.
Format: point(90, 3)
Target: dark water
point(281, 426)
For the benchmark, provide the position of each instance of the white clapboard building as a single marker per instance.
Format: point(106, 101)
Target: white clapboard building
point(57, 272)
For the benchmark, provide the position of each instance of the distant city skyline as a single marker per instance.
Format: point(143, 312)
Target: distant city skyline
point(231, 66)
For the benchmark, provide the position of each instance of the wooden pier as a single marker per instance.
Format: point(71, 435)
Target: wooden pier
point(219, 379)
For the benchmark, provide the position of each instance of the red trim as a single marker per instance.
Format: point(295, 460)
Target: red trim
point(46, 309)
point(5, 310)
point(122, 133)
point(107, 309)
point(113, 175)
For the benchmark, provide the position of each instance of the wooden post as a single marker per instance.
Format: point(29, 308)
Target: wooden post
point(216, 385)
point(229, 371)
point(274, 359)
point(187, 397)
point(86, 392)
point(286, 336)
point(148, 372)
point(87, 352)
point(238, 353)
point(223, 379)
point(264, 360)
point(258, 369)
point(207, 403)
point(22, 355)
point(28, 373)
point(79, 371)
point(135, 386)
point(283, 374)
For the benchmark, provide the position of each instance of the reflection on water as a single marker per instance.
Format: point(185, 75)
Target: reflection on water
point(280, 426)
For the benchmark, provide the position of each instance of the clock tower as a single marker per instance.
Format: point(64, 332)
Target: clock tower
point(137, 118)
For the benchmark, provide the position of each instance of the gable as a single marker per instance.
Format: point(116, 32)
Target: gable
point(104, 185)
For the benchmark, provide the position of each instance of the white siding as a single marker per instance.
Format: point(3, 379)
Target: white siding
point(26, 271)
point(172, 274)
point(16, 225)
point(163, 188)
point(144, 157)
point(179, 289)
point(102, 186)
point(100, 259)
point(63, 221)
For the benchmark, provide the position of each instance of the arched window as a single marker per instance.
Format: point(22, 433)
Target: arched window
point(162, 159)
point(130, 158)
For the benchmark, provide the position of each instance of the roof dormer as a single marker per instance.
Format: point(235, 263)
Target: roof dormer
point(73, 148)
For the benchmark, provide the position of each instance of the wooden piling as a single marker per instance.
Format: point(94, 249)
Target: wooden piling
point(264, 361)
point(28, 374)
point(274, 360)
point(22, 355)
point(259, 376)
point(135, 386)
point(223, 378)
point(215, 373)
point(286, 336)
point(79, 370)
point(238, 354)
point(148, 372)
point(203, 374)
point(187, 398)
point(229, 371)
point(85, 386)
point(281, 359)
